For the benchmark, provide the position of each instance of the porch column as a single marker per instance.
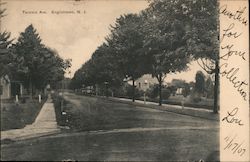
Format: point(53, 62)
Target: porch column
point(21, 89)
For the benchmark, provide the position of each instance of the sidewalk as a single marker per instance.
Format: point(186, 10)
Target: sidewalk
point(44, 124)
point(196, 112)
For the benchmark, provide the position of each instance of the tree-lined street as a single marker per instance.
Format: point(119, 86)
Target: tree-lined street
point(163, 38)
point(123, 132)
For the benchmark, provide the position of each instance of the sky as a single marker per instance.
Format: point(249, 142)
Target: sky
point(77, 35)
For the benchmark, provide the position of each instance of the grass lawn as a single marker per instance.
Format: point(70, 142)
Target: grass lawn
point(205, 103)
point(95, 114)
point(89, 113)
point(14, 116)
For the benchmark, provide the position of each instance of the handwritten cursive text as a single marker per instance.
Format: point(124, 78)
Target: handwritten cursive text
point(231, 52)
point(229, 33)
point(230, 118)
point(235, 15)
point(231, 75)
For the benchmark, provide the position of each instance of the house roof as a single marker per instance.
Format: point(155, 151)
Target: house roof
point(8, 80)
point(5, 78)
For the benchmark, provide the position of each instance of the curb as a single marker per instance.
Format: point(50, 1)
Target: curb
point(28, 137)
point(189, 112)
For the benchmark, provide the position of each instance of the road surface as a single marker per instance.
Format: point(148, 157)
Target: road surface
point(109, 131)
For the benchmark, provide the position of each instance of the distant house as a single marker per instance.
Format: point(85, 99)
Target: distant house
point(179, 91)
point(6, 87)
point(144, 82)
point(16, 88)
point(181, 86)
point(10, 87)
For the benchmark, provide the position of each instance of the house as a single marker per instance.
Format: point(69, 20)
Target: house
point(10, 87)
point(144, 82)
point(16, 88)
point(181, 87)
point(5, 86)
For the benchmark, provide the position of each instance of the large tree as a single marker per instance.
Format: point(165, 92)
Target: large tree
point(37, 65)
point(209, 87)
point(105, 66)
point(126, 40)
point(50, 68)
point(198, 30)
point(100, 70)
point(77, 80)
point(5, 53)
point(120, 57)
point(164, 43)
point(199, 82)
point(204, 39)
point(27, 49)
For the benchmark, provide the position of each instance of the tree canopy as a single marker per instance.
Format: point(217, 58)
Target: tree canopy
point(36, 65)
point(5, 43)
point(5, 53)
point(160, 40)
point(200, 82)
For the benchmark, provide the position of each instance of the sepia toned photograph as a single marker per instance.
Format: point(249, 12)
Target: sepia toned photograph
point(106, 80)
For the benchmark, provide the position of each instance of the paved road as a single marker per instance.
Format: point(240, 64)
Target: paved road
point(116, 131)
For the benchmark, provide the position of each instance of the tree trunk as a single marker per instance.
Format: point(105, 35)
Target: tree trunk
point(106, 89)
point(216, 87)
point(133, 90)
point(30, 88)
point(160, 87)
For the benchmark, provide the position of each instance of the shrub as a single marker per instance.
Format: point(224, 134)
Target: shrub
point(186, 90)
point(165, 92)
point(199, 82)
point(195, 97)
point(173, 90)
point(152, 92)
point(129, 92)
point(119, 92)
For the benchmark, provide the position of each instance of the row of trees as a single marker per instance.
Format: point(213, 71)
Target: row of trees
point(29, 61)
point(202, 87)
point(162, 39)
